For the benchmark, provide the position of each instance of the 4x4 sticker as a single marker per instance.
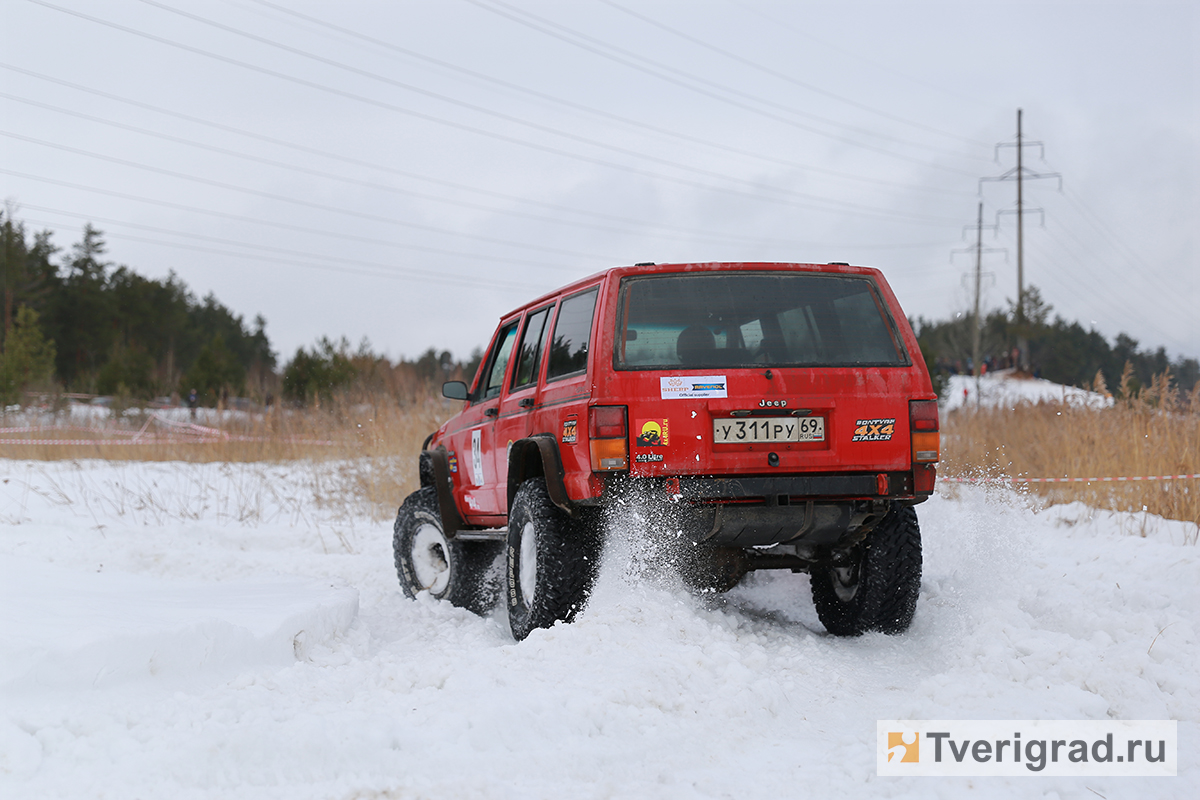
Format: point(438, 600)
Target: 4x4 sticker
point(874, 430)
point(689, 386)
point(652, 433)
point(569, 435)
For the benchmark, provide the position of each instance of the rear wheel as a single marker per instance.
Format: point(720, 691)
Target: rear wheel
point(552, 561)
point(448, 569)
point(877, 588)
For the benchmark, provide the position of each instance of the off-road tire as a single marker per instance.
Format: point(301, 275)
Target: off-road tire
point(456, 571)
point(551, 561)
point(877, 590)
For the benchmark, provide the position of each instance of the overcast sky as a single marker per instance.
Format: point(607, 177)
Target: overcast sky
point(409, 171)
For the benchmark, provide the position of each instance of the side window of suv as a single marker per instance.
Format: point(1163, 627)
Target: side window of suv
point(497, 364)
point(572, 330)
point(529, 354)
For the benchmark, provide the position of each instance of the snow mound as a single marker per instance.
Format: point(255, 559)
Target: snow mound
point(1006, 389)
point(61, 628)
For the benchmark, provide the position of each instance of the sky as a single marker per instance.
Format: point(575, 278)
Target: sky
point(407, 172)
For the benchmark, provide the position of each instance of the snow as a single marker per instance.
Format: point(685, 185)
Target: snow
point(150, 646)
point(64, 629)
point(1007, 388)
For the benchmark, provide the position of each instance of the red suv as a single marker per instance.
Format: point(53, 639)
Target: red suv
point(779, 415)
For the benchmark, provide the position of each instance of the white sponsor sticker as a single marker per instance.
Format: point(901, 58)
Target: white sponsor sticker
point(690, 386)
point(477, 456)
point(1028, 748)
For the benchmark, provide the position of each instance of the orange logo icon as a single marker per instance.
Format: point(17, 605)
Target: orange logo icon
point(653, 433)
point(903, 747)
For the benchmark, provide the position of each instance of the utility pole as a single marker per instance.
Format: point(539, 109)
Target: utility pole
point(1020, 229)
point(1019, 174)
point(977, 333)
point(978, 280)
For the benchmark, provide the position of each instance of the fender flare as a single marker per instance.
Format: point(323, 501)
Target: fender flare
point(538, 455)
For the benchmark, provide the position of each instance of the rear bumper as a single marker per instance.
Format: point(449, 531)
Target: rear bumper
point(818, 513)
point(783, 490)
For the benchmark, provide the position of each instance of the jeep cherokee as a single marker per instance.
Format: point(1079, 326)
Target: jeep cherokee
point(780, 415)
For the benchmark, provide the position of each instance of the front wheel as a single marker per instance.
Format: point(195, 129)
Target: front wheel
point(428, 561)
point(552, 561)
point(875, 589)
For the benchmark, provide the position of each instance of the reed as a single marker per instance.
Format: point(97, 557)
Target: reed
point(364, 448)
point(1152, 433)
point(371, 442)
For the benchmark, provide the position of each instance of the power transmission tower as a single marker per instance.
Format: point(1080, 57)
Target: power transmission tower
point(978, 250)
point(1020, 174)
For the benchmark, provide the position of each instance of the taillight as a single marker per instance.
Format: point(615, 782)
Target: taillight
point(608, 434)
point(926, 441)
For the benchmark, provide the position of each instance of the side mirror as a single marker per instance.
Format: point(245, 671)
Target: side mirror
point(455, 390)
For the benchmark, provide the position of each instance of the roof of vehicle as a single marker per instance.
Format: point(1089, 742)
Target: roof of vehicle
point(705, 266)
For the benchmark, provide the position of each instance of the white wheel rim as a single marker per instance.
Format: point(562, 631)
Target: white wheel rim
point(528, 576)
point(431, 559)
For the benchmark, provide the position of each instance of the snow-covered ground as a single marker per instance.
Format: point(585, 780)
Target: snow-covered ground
point(1006, 389)
point(187, 631)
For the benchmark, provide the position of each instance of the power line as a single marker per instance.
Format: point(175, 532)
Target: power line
point(636, 123)
point(395, 273)
point(1109, 233)
point(692, 233)
point(266, 248)
point(785, 77)
point(638, 61)
point(850, 53)
point(1083, 280)
point(812, 204)
point(346, 159)
point(296, 201)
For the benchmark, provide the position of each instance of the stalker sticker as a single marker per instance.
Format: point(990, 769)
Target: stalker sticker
point(874, 430)
point(686, 387)
point(569, 431)
point(652, 433)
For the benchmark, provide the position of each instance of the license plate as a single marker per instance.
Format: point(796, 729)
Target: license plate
point(759, 430)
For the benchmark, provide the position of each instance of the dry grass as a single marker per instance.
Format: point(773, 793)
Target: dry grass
point(366, 449)
point(1154, 433)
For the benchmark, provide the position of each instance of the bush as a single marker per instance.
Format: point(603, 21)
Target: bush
point(28, 359)
point(215, 373)
point(318, 375)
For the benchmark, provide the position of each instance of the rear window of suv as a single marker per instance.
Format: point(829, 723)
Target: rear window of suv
point(754, 319)
point(572, 330)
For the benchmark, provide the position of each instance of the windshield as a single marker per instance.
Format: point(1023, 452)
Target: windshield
point(701, 320)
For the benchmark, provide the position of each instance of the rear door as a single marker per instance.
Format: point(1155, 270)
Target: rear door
point(763, 372)
point(517, 403)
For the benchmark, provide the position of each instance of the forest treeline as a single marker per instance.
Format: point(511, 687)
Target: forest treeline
point(1059, 351)
point(76, 323)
